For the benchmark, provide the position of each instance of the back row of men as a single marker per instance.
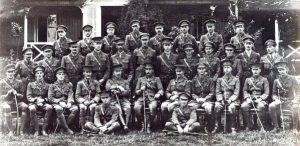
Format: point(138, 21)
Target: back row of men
point(176, 72)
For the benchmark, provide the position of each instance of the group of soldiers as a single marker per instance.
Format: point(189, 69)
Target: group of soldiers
point(109, 80)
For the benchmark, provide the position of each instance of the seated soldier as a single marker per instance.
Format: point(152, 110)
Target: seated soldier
point(203, 90)
point(120, 89)
point(106, 116)
point(11, 93)
point(87, 95)
point(148, 88)
point(60, 95)
point(184, 118)
point(285, 93)
point(256, 93)
point(227, 91)
point(176, 86)
point(37, 92)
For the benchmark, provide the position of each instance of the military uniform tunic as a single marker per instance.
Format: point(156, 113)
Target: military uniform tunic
point(165, 68)
point(101, 64)
point(61, 47)
point(87, 91)
point(50, 66)
point(139, 57)
point(73, 65)
point(182, 39)
point(25, 70)
point(86, 46)
point(214, 69)
point(132, 42)
point(190, 66)
point(108, 46)
point(215, 38)
point(127, 64)
point(155, 43)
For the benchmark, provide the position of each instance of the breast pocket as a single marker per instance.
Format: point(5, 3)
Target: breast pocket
point(125, 63)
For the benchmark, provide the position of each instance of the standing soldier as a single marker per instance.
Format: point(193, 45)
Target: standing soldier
point(211, 36)
point(285, 95)
point(108, 40)
point(61, 96)
point(73, 64)
point(61, 45)
point(148, 88)
point(36, 94)
point(256, 92)
point(106, 116)
point(49, 63)
point(141, 54)
point(86, 44)
point(121, 93)
point(24, 68)
point(183, 38)
point(248, 57)
point(133, 39)
point(87, 96)
point(176, 86)
point(165, 62)
point(190, 61)
point(203, 91)
point(237, 40)
point(229, 55)
point(156, 41)
point(227, 92)
point(184, 118)
point(121, 57)
point(212, 62)
point(269, 70)
point(100, 62)
point(11, 96)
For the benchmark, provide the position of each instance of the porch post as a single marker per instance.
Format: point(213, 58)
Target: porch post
point(277, 35)
point(25, 30)
point(98, 21)
point(236, 9)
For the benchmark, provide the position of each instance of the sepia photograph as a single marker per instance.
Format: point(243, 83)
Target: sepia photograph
point(150, 72)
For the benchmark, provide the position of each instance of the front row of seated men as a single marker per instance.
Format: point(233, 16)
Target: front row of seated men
point(104, 111)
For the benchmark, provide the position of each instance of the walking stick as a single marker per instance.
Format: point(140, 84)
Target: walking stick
point(225, 123)
point(17, 122)
point(262, 126)
point(145, 119)
point(121, 112)
point(281, 113)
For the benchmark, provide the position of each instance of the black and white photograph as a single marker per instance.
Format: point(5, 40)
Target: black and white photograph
point(149, 72)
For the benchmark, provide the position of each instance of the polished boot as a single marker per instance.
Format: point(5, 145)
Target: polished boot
point(217, 123)
point(64, 124)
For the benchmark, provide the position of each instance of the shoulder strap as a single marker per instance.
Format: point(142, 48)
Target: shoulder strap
point(225, 82)
point(96, 59)
point(133, 38)
point(8, 84)
point(162, 59)
point(48, 65)
point(107, 42)
point(72, 62)
point(187, 64)
point(251, 81)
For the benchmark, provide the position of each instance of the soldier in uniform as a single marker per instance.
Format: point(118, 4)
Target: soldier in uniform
point(61, 45)
point(148, 88)
point(285, 95)
point(237, 65)
point(87, 96)
point(11, 95)
point(255, 92)
point(156, 41)
point(190, 61)
point(269, 70)
point(24, 68)
point(121, 92)
point(184, 118)
point(61, 96)
point(141, 54)
point(248, 57)
point(227, 92)
point(176, 86)
point(165, 62)
point(49, 62)
point(203, 91)
point(121, 57)
point(211, 36)
point(36, 94)
point(108, 40)
point(106, 116)
point(73, 64)
point(183, 38)
point(100, 62)
point(133, 39)
point(86, 44)
point(212, 62)
point(237, 39)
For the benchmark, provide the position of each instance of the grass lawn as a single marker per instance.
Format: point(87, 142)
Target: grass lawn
point(154, 139)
